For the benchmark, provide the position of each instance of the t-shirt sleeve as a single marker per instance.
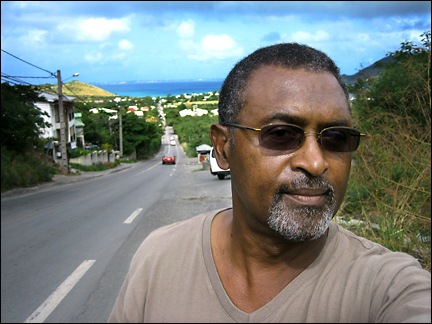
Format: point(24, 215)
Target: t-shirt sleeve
point(404, 291)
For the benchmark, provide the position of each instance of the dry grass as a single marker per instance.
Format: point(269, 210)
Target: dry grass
point(390, 185)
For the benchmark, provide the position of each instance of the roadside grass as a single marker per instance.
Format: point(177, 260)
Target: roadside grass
point(96, 167)
point(390, 185)
point(23, 170)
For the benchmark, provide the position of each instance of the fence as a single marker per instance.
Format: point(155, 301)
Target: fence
point(94, 158)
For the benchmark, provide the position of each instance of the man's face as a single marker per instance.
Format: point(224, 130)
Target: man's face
point(297, 192)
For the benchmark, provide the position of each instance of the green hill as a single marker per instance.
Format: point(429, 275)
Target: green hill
point(371, 71)
point(80, 89)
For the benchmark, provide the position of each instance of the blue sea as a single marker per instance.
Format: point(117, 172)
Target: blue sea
point(160, 88)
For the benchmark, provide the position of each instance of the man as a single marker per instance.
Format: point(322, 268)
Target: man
point(286, 134)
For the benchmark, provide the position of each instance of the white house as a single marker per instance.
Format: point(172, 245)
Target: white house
point(50, 105)
point(195, 112)
point(109, 111)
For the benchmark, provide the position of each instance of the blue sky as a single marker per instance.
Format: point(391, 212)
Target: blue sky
point(180, 40)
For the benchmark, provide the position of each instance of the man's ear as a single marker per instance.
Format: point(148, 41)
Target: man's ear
point(219, 136)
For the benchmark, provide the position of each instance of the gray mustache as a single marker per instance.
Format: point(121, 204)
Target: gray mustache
point(306, 183)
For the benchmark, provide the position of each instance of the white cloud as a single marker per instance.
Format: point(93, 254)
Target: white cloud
point(212, 47)
point(212, 43)
point(34, 37)
point(186, 29)
point(93, 57)
point(305, 37)
point(100, 29)
point(125, 45)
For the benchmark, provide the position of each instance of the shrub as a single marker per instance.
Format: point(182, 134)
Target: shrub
point(23, 170)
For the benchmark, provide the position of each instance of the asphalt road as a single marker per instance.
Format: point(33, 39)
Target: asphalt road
point(65, 250)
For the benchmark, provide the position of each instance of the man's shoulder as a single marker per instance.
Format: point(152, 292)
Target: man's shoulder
point(358, 249)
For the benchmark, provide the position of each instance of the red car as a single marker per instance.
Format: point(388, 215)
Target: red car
point(168, 158)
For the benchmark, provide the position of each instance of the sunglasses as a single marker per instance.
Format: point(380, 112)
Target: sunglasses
point(282, 137)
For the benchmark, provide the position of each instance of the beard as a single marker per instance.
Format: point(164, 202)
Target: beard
point(302, 223)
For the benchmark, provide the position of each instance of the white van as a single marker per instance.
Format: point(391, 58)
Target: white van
point(214, 167)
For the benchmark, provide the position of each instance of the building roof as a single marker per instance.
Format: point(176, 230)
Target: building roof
point(204, 148)
point(79, 123)
point(51, 97)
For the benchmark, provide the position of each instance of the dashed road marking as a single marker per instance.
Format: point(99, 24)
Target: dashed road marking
point(44, 310)
point(132, 216)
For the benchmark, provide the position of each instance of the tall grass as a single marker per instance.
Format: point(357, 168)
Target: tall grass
point(23, 170)
point(390, 184)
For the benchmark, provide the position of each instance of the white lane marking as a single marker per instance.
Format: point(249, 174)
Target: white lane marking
point(148, 168)
point(44, 310)
point(173, 171)
point(132, 216)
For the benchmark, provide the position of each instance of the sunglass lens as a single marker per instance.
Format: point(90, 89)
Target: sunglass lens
point(281, 137)
point(340, 139)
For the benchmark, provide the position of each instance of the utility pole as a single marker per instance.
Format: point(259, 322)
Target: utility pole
point(121, 133)
point(64, 161)
point(120, 126)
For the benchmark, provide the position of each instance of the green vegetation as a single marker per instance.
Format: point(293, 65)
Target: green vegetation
point(22, 122)
point(194, 131)
point(21, 125)
point(20, 170)
point(96, 167)
point(390, 182)
point(139, 136)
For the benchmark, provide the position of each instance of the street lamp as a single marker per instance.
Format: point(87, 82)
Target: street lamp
point(75, 75)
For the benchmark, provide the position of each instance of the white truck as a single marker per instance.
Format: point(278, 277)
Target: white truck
point(214, 167)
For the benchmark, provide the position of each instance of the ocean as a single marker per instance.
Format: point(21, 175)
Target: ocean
point(160, 88)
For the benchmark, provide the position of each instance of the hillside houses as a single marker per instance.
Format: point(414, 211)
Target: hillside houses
point(196, 112)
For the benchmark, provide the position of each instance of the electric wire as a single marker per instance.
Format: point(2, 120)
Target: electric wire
point(53, 74)
point(14, 79)
point(72, 92)
point(29, 77)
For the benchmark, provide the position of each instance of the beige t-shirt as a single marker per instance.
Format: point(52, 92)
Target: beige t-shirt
point(173, 278)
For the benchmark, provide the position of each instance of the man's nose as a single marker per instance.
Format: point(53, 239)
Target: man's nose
point(310, 157)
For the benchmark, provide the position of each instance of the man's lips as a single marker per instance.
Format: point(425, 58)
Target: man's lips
point(307, 196)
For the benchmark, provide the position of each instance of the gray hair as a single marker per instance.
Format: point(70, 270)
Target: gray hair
point(288, 55)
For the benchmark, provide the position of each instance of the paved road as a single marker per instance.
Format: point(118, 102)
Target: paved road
point(65, 250)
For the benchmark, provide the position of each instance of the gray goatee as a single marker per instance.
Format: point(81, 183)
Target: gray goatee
point(302, 223)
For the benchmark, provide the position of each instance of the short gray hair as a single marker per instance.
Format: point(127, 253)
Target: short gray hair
point(288, 55)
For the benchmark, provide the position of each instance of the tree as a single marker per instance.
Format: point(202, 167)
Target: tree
point(140, 136)
point(403, 87)
point(22, 121)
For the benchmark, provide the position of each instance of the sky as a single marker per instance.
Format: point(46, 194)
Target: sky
point(124, 41)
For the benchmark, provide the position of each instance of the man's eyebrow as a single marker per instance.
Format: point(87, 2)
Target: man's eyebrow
point(289, 119)
point(295, 120)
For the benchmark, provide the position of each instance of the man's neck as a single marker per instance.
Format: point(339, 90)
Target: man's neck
point(255, 266)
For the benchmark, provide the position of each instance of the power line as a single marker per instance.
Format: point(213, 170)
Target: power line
point(13, 79)
point(29, 77)
point(72, 92)
point(29, 63)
